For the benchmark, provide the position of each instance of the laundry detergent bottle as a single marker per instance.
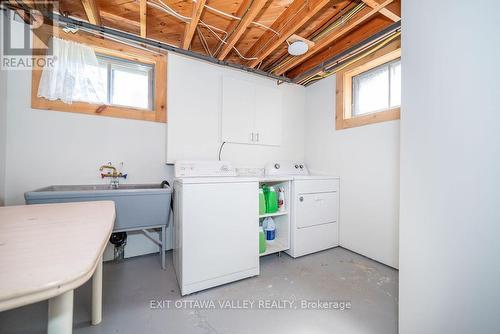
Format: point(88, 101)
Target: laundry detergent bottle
point(262, 240)
point(262, 202)
point(271, 200)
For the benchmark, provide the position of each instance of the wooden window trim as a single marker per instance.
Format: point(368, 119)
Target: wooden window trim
point(343, 119)
point(114, 49)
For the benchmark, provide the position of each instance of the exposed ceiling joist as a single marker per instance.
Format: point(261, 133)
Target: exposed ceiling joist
point(118, 20)
point(239, 13)
point(384, 11)
point(191, 26)
point(356, 36)
point(247, 19)
point(324, 42)
point(143, 14)
point(92, 11)
point(262, 48)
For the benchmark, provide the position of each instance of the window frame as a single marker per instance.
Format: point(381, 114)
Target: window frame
point(113, 63)
point(113, 49)
point(344, 118)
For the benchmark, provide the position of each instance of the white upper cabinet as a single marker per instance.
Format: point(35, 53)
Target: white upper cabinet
point(238, 100)
point(268, 115)
point(251, 113)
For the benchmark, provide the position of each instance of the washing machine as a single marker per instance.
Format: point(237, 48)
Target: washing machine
point(216, 236)
point(314, 208)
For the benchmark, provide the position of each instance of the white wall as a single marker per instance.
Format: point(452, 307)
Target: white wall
point(450, 163)
point(367, 160)
point(49, 147)
point(195, 105)
point(3, 137)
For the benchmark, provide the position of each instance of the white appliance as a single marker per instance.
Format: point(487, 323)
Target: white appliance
point(216, 235)
point(314, 208)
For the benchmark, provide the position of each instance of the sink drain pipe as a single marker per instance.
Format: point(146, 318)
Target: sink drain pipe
point(119, 240)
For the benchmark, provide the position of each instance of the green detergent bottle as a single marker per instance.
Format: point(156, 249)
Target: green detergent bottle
point(262, 240)
point(271, 200)
point(262, 202)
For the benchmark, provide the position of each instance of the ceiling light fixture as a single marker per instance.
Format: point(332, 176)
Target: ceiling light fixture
point(297, 46)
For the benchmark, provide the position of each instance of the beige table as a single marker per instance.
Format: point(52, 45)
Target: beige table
point(46, 251)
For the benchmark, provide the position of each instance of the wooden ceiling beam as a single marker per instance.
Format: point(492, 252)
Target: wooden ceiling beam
point(245, 21)
point(355, 37)
point(143, 16)
point(384, 11)
point(191, 26)
point(328, 39)
point(301, 11)
point(92, 11)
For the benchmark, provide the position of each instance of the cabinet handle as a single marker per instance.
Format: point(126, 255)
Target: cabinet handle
point(257, 136)
point(301, 198)
point(251, 136)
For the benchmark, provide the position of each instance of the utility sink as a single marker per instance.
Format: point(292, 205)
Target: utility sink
point(138, 206)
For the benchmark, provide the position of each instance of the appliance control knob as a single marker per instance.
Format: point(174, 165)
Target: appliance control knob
point(301, 166)
point(277, 166)
point(296, 166)
point(301, 198)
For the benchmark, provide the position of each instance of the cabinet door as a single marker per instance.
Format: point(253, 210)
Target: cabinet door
point(238, 111)
point(268, 115)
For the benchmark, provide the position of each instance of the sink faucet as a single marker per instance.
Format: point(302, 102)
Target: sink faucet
point(113, 174)
point(108, 166)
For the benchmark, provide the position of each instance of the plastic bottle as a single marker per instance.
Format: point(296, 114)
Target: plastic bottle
point(262, 202)
point(281, 199)
point(262, 241)
point(272, 200)
point(269, 229)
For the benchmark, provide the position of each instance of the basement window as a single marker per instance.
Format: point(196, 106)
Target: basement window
point(377, 90)
point(128, 84)
point(135, 79)
point(369, 91)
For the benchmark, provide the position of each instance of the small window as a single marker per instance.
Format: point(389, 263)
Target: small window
point(377, 90)
point(118, 74)
point(135, 80)
point(369, 91)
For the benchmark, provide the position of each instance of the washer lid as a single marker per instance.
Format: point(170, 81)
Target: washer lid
point(221, 179)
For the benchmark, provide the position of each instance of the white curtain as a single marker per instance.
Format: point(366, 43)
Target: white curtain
point(75, 75)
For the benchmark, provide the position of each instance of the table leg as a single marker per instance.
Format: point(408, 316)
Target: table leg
point(61, 314)
point(163, 246)
point(97, 294)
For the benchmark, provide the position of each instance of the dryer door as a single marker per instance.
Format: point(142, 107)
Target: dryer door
point(316, 208)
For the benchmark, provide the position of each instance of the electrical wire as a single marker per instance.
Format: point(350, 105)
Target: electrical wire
point(220, 148)
point(335, 24)
point(223, 41)
point(203, 41)
point(332, 69)
point(173, 12)
point(211, 28)
point(239, 18)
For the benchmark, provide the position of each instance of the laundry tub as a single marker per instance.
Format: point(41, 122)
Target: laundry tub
point(138, 206)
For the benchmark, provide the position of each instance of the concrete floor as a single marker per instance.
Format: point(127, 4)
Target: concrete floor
point(332, 275)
